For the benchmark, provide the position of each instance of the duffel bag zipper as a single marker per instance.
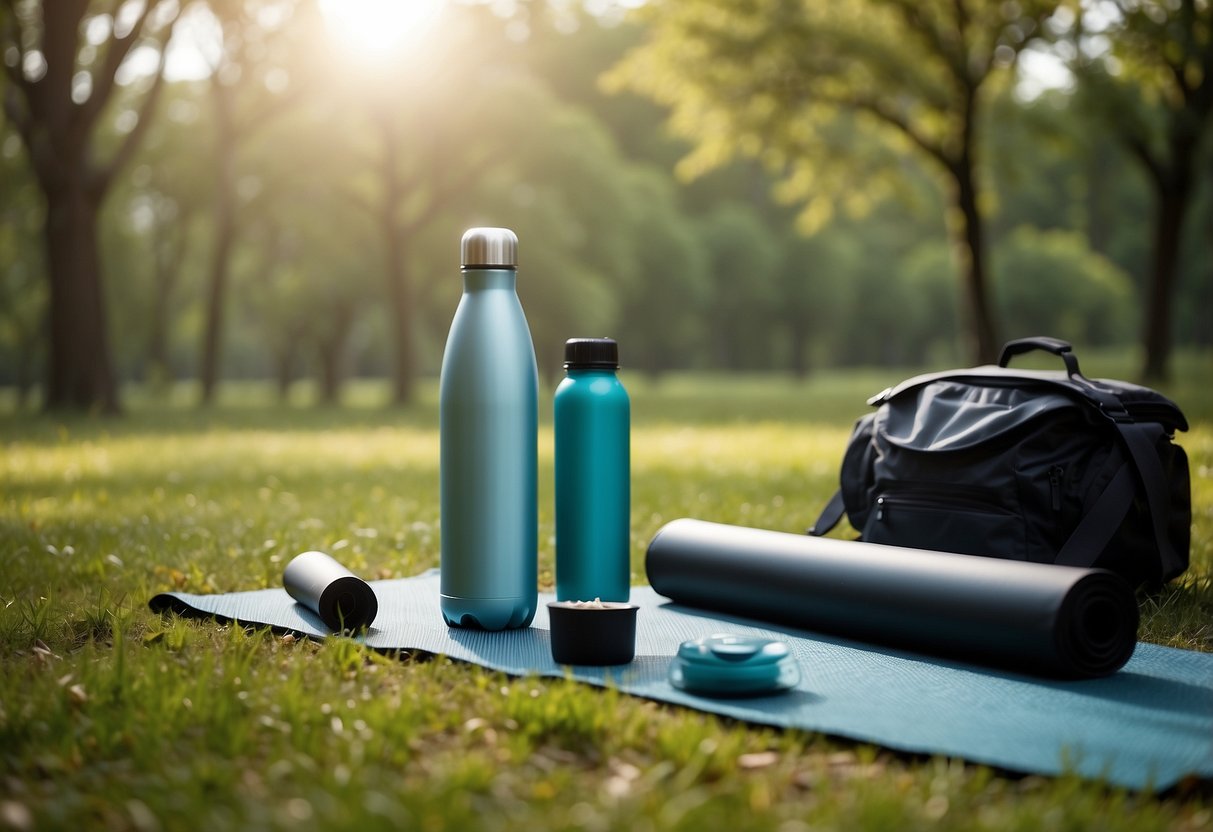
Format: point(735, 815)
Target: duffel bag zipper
point(940, 502)
point(1055, 476)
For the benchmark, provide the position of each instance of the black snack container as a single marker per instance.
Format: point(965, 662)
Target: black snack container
point(592, 633)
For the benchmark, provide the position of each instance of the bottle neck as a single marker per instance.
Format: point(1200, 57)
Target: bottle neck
point(589, 371)
point(478, 280)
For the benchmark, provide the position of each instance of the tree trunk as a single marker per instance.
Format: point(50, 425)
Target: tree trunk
point(1099, 207)
point(221, 247)
point(329, 354)
point(169, 252)
point(981, 336)
point(800, 363)
point(26, 352)
point(1173, 195)
point(1202, 336)
point(157, 341)
point(79, 370)
point(399, 287)
point(400, 296)
point(284, 368)
point(58, 133)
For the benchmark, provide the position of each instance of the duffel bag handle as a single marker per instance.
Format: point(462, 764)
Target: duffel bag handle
point(1041, 342)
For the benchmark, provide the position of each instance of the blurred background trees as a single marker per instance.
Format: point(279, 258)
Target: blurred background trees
point(1154, 95)
point(62, 68)
point(280, 191)
point(791, 83)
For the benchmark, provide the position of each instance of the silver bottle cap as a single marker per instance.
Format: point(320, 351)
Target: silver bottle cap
point(489, 248)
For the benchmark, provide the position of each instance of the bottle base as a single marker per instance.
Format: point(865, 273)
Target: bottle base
point(487, 613)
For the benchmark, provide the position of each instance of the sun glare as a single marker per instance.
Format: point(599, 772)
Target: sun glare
point(376, 27)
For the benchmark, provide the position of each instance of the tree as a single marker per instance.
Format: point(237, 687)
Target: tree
point(413, 189)
point(313, 269)
point(63, 66)
point(414, 153)
point(279, 305)
point(165, 199)
point(780, 81)
point(22, 287)
point(172, 220)
point(1153, 90)
point(249, 87)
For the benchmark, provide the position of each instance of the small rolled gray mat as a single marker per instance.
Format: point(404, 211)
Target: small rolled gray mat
point(1148, 725)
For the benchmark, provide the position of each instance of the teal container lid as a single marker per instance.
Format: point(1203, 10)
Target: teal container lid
point(732, 665)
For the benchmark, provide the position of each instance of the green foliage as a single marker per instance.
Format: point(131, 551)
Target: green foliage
point(920, 304)
point(780, 82)
point(570, 49)
point(662, 306)
point(1052, 170)
point(791, 84)
point(1050, 281)
point(898, 299)
point(1145, 69)
point(1045, 281)
point(743, 258)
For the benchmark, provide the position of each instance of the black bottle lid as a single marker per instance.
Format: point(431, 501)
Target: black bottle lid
point(591, 354)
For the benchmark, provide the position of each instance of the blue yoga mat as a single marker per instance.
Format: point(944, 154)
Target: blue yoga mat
point(1147, 726)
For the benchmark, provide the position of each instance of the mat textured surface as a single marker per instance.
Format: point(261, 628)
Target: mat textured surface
point(1147, 726)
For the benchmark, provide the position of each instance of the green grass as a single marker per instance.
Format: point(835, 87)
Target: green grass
point(111, 717)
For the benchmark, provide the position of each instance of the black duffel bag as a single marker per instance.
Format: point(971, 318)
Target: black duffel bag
point(1045, 466)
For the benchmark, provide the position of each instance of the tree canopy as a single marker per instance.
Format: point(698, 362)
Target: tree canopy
point(781, 81)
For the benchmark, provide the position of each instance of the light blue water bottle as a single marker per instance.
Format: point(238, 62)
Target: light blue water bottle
point(488, 415)
point(593, 488)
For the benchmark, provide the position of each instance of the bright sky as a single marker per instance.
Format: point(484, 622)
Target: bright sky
point(194, 49)
point(1040, 71)
point(373, 28)
point(367, 28)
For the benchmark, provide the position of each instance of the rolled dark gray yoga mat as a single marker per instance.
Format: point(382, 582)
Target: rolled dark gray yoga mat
point(337, 595)
point(1057, 621)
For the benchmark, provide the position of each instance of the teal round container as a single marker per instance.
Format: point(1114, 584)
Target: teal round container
point(593, 470)
point(488, 432)
point(732, 665)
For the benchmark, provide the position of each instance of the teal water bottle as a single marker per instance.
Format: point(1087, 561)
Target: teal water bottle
point(488, 431)
point(593, 488)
